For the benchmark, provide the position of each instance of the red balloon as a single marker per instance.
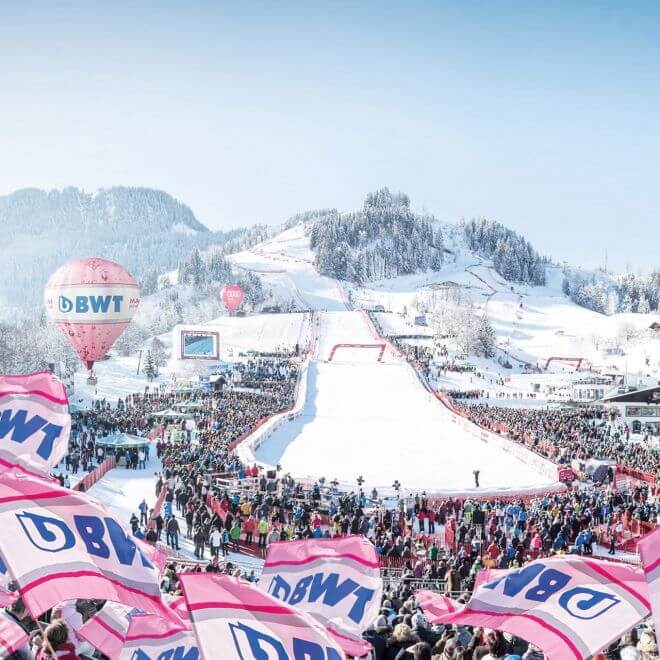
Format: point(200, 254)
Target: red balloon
point(232, 297)
point(91, 301)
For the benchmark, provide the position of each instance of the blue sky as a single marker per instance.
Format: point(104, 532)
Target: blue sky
point(542, 115)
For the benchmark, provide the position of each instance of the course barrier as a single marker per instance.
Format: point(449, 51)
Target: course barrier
point(639, 475)
point(381, 348)
point(97, 473)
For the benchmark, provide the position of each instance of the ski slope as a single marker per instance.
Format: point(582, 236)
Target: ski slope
point(375, 420)
point(367, 418)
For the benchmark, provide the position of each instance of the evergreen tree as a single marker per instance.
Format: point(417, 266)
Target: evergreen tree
point(513, 257)
point(484, 338)
point(383, 240)
point(158, 352)
point(150, 368)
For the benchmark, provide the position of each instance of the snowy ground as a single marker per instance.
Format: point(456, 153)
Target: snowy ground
point(378, 414)
point(375, 420)
point(122, 490)
point(531, 323)
point(119, 376)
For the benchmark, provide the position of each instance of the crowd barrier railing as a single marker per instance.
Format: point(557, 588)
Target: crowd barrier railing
point(97, 473)
point(639, 475)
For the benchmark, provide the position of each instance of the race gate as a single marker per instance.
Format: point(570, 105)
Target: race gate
point(340, 347)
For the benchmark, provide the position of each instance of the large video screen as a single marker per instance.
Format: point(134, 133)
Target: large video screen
point(197, 345)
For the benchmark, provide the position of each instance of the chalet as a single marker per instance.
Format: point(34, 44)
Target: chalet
point(639, 409)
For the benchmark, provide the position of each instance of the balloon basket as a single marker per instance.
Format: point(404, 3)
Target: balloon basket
point(92, 379)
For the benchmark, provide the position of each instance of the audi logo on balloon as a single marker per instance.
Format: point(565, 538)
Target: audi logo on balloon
point(232, 297)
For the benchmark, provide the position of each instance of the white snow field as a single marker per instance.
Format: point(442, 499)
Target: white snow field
point(119, 376)
point(362, 417)
point(359, 416)
point(365, 418)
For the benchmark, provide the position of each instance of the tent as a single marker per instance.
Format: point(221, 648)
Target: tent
point(189, 405)
point(170, 414)
point(119, 441)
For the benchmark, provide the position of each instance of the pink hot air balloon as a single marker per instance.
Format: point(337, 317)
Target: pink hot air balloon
point(232, 297)
point(91, 301)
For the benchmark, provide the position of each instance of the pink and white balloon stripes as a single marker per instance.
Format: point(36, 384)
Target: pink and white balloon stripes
point(91, 301)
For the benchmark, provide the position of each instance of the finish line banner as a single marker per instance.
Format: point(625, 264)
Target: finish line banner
point(568, 606)
point(34, 422)
point(235, 620)
point(649, 551)
point(337, 581)
point(60, 545)
point(124, 633)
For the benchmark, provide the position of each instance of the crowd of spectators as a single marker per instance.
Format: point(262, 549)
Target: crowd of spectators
point(564, 435)
point(402, 632)
point(442, 541)
point(465, 394)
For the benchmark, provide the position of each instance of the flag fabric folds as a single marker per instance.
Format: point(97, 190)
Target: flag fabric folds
point(649, 551)
point(337, 581)
point(34, 422)
point(124, 633)
point(436, 606)
point(570, 607)
point(235, 620)
point(59, 545)
point(12, 637)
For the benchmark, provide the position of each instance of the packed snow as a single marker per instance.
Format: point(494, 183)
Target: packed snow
point(358, 407)
point(375, 420)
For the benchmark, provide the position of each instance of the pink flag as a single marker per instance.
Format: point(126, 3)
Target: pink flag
point(649, 550)
point(179, 606)
point(568, 606)
point(436, 606)
point(248, 624)
point(34, 422)
point(156, 555)
point(7, 597)
point(60, 545)
point(337, 581)
point(488, 575)
point(12, 637)
point(123, 633)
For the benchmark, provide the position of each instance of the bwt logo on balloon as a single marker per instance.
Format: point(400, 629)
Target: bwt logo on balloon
point(94, 304)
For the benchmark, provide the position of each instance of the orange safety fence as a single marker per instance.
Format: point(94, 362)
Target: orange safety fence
point(97, 473)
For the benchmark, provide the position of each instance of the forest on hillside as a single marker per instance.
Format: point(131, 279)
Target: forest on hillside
point(382, 240)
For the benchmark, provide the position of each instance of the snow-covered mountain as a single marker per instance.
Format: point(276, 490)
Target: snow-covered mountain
point(531, 323)
point(386, 239)
point(143, 229)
